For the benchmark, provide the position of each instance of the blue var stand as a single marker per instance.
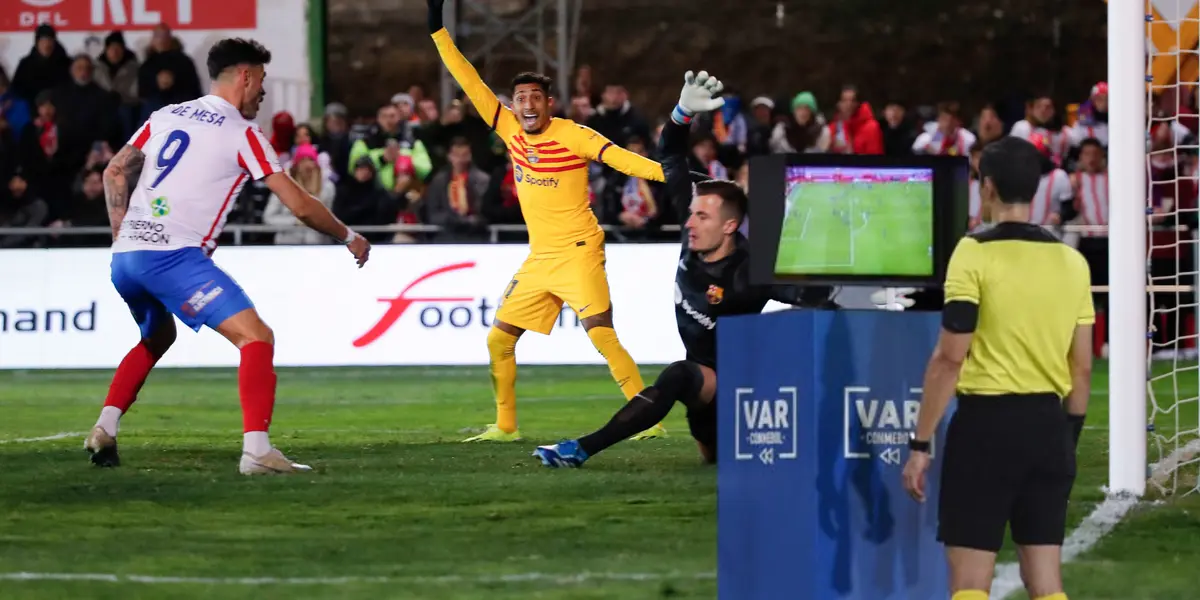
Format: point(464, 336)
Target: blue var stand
point(815, 412)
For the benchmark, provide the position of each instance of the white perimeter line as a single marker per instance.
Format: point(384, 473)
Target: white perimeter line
point(57, 436)
point(850, 225)
point(1107, 515)
point(547, 578)
point(1103, 519)
point(1095, 526)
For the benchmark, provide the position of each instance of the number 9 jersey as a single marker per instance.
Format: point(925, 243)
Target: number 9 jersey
point(198, 155)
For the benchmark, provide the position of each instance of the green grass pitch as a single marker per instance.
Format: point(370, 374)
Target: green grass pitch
point(396, 498)
point(859, 228)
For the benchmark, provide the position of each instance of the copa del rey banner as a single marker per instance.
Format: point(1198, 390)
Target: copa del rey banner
point(94, 15)
point(280, 25)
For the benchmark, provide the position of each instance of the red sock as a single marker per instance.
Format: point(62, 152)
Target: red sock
point(130, 376)
point(256, 386)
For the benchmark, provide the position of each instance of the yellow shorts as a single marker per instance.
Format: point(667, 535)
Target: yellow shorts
point(534, 298)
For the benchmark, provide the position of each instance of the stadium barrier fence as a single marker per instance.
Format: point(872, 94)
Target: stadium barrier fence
point(412, 304)
point(239, 231)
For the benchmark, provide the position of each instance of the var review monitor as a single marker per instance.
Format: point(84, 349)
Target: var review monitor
point(858, 221)
point(872, 220)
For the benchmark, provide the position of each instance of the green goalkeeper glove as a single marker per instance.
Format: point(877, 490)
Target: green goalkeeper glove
point(697, 96)
point(436, 8)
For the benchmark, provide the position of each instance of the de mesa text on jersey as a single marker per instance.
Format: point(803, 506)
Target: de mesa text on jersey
point(198, 114)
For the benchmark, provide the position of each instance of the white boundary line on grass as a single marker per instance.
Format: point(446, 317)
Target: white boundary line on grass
point(1107, 515)
point(1095, 526)
point(58, 436)
point(562, 579)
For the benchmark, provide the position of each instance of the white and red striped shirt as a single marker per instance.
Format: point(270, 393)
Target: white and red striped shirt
point(1082, 131)
point(935, 143)
point(974, 205)
point(1058, 142)
point(1091, 200)
point(199, 154)
point(1053, 189)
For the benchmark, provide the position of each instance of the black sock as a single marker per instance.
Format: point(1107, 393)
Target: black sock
point(644, 411)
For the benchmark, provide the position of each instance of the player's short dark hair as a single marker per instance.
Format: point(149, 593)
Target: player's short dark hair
point(459, 141)
point(529, 77)
point(231, 52)
point(734, 203)
point(1015, 167)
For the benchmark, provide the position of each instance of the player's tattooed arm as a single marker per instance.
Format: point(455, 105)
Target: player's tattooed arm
point(120, 176)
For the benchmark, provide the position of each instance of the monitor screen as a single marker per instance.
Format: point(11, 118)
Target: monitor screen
point(857, 221)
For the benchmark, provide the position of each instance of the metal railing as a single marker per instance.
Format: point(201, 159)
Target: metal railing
point(238, 231)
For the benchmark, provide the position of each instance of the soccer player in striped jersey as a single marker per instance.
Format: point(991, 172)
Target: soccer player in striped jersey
point(550, 159)
point(166, 220)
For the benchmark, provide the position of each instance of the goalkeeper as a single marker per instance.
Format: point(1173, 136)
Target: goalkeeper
point(566, 245)
point(712, 281)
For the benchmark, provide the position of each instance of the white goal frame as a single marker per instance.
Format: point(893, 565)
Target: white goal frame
point(1127, 230)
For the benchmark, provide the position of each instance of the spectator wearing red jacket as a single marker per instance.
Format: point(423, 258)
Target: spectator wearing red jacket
point(854, 129)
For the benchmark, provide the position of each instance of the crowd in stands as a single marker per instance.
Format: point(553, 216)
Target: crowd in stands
point(413, 162)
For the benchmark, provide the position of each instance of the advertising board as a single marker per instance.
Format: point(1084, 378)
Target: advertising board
point(410, 305)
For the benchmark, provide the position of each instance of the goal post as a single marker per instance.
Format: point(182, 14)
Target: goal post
point(1127, 230)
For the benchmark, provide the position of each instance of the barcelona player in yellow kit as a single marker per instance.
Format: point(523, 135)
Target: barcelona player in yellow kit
point(550, 159)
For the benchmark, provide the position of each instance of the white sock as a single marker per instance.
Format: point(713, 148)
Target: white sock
point(256, 443)
point(110, 420)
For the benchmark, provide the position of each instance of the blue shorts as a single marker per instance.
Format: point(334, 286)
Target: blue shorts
point(185, 282)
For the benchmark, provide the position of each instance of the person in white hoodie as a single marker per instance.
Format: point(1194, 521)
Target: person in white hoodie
point(308, 173)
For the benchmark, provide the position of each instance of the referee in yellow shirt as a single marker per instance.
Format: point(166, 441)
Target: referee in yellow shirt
point(1016, 348)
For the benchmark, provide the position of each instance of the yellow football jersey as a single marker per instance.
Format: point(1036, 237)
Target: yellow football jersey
point(550, 168)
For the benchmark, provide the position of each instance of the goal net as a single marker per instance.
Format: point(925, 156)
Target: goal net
point(1171, 124)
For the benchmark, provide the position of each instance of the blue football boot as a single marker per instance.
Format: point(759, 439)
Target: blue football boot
point(566, 454)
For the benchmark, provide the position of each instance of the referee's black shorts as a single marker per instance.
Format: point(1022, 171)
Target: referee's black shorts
point(1008, 460)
